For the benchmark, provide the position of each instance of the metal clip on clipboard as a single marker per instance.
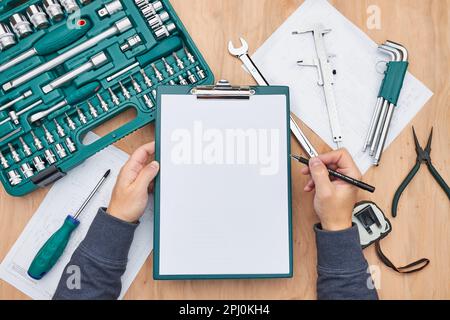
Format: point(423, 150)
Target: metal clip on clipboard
point(223, 90)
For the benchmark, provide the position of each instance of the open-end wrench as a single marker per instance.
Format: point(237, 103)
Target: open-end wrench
point(242, 53)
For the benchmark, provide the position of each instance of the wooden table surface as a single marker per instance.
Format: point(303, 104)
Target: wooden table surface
point(423, 226)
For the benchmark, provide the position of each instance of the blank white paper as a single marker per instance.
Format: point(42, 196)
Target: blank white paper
point(223, 219)
point(357, 82)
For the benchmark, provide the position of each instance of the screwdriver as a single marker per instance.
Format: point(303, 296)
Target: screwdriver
point(52, 250)
point(52, 42)
point(78, 96)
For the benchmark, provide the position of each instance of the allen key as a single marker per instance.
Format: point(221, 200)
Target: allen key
point(386, 103)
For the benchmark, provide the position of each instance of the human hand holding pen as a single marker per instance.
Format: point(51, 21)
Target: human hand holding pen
point(334, 199)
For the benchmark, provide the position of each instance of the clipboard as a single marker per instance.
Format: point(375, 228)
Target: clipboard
point(215, 218)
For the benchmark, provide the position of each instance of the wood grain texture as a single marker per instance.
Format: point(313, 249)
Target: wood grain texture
point(423, 226)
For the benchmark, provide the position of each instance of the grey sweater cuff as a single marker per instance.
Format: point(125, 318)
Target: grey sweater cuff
point(340, 250)
point(108, 237)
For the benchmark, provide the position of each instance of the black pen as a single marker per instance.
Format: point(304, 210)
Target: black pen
point(340, 176)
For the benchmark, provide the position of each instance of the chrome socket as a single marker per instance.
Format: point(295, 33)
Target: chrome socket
point(141, 3)
point(53, 9)
point(165, 31)
point(201, 74)
point(182, 80)
point(148, 101)
point(7, 39)
point(70, 145)
point(151, 9)
point(14, 153)
point(125, 91)
point(81, 116)
point(38, 163)
point(14, 177)
point(26, 149)
point(110, 8)
point(158, 20)
point(180, 62)
point(70, 5)
point(37, 142)
point(136, 85)
point(115, 99)
point(158, 73)
point(27, 171)
point(147, 80)
point(37, 17)
point(60, 151)
point(92, 110)
point(48, 135)
point(50, 156)
point(103, 103)
point(59, 129)
point(3, 161)
point(70, 123)
point(189, 56)
point(191, 77)
point(168, 67)
point(20, 25)
point(131, 42)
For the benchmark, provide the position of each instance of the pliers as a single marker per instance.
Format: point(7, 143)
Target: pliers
point(422, 156)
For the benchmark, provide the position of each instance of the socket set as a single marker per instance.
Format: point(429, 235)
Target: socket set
point(69, 66)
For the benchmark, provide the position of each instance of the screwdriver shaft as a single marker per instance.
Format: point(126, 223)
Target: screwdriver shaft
point(91, 195)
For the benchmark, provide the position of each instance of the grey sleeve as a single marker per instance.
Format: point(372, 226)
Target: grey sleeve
point(101, 259)
point(341, 266)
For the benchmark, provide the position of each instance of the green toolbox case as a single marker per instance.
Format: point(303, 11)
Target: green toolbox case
point(76, 107)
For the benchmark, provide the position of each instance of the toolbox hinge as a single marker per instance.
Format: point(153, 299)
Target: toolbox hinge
point(48, 176)
point(223, 90)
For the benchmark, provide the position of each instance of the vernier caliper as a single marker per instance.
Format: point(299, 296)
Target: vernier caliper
point(326, 78)
point(242, 53)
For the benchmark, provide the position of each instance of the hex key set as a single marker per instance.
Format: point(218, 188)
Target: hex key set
point(68, 66)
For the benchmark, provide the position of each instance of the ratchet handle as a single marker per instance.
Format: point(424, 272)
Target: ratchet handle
point(52, 250)
point(163, 49)
point(393, 82)
point(62, 37)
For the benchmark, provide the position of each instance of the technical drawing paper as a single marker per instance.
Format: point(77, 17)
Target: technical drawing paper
point(64, 198)
point(357, 82)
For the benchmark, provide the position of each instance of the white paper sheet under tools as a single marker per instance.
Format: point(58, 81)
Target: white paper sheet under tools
point(64, 198)
point(357, 82)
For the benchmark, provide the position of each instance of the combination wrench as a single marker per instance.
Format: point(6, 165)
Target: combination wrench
point(242, 54)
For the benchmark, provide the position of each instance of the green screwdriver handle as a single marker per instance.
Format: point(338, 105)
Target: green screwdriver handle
point(52, 250)
point(62, 37)
point(163, 49)
point(83, 93)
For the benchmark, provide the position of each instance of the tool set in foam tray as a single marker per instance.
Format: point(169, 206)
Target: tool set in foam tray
point(67, 67)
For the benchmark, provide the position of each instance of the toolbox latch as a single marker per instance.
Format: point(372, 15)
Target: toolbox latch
point(48, 176)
